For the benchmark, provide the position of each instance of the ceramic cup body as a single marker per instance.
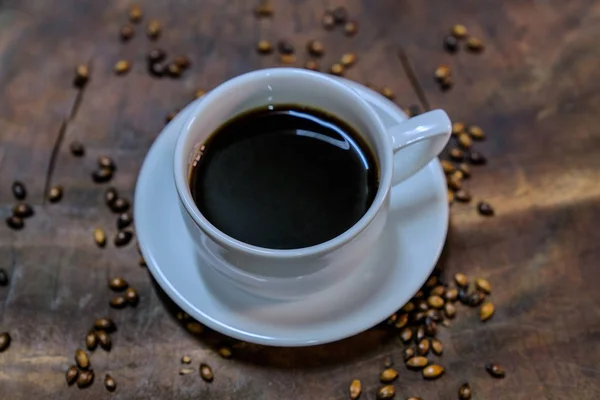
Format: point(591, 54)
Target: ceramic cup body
point(300, 272)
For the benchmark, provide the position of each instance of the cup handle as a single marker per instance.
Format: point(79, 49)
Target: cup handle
point(417, 141)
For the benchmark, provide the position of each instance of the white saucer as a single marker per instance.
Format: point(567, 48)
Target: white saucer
point(411, 244)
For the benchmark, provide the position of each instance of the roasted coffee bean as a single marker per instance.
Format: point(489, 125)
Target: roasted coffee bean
point(408, 307)
point(82, 75)
point(475, 45)
point(126, 33)
point(388, 93)
point(483, 285)
point(457, 128)
point(182, 62)
point(71, 375)
point(465, 141)
point(186, 359)
point(102, 175)
point(109, 383)
point(287, 59)
point(135, 13)
point(206, 372)
point(355, 389)
point(454, 182)
point(153, 30)
point(118, 302)
point(465, 169)
point(55, 194)
point(76, 148)
point(124, 220)
point(417, 362)
point(264, 47)
point(419, 294)
point(495, 370)
point(194, 327)
point(185, 371)
point(123, 238)
point(433, 371)
point(476, 158)
point(463, 296)
point(437, 347)
point(447, 83)
point(451, 294)
point(156, 55)
point(19, 190)
point(459, 31)
point(315, 48)
point(340, 15)
point(409, 352)
point(485, 209)
point(350, 28)
point(422, 305)
point(85, 379)
point(461, 279)
point(386, 392)
point(435, 301)
point(421, 332)
point(15, 222)
point(401, 321)
point(423, 347)
point(388, 362)
point(104, 340)
point(173, 70)
point(99, 237)
point(388, 375)
point(435, 315)
point(451, 44)
point(23, 210)
point(132, 297)
point(224, 352)
point(328, 21)
point(430, 327)
point(118, 284)
point(474, 299)
point(312, 65)
point(285, 47)
point(106, 162)
point(110, 195)
point(4, 341)
point(392, 319)
point(414, 110)
point(264, 9)
point(457, 175)
point(406, 335)
point(81, 359)
point(157, 70)
point(464, 391)
point(3, 277)
point(120, 205)
point(442, 72)
point(199, 93)
point(476, 132)
point(91, 341)
point(122, 67)
point(348, 60)
point(463, 196)
point(419, 316)
point(105, 324)
point(450, 197)
point(337, 69)
point(456, 154)
point(446, 323)
point(439, 290)
point(486, 311)
point(449, 310)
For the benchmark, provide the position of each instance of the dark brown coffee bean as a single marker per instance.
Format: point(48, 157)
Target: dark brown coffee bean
point(454, 182)
point(105, 324)
point(109, 383)
point(135, 13)
point(386, 392)
point(439, 290)
point(182, 62)
point(102, 175)
point(476, 298)
point(123, 238)
point(476, 158)
point(312, 65)
point(173, 70)
point(401, 321)
point(409, 352)
point(340, 15)
point(465, 141)
point(456, 154)
point(354, 389)
point(287, 59)
point(417, 362)
point(451, 294)
point(448, 167)
point(435, 301)
point(475, 45)
point(264, 47)
point(388, 362)
point(194, 328)
point(421, 332)
point(437, 347)
point(461, 279)
point(77, 148)
point(224, 352)
point(392, 319)
point(85, 379)
point(3, 277)
point(99, 237)
point(423, 347)
point(23, 210)
point(419, 317)
point(348, 60)
point(459, 31)
point(442, 72)
point(285, 47)
point(350, 28)
point(433, 371)
point(337, 69)
point(122, 67)
point(414, 110)
point(118, 284)
point(91, 341)
point(104, 340)
point(418, 295)
point(82, 75)
point(153, 30)
point(406, 335)
point(4, 341)
point(483, 285)
point(465, 169)
point(485, 209)
point(430, 327)
point(328, 21)
point(422, 305)
point(463, 196)
point(449, 310)
point(464, 391)
point(408, 307)
point(106, 162)
point(126, 33)
point(15, 222)
point(71, 375)
point(55, 194)
point(486, 311)
point(457, 128)
point(495, 370)
point(388, 375)
point(81, 359)
point(157, 70)
point(110, 195)
point(435, 315)
point(124, 220)
point(463, 296)
point(206, 372)
point(120, 205)
point(476, 132)
point(451, 44)
point(264, 9)
point(132, 297)
point(118, 302)
point(19, 190)
point(315, 48)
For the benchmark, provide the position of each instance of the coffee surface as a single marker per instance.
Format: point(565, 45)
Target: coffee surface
point(284, 178)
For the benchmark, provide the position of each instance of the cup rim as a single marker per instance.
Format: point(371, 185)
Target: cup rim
point(227, 241)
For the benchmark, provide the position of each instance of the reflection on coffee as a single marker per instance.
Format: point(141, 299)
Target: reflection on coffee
point(284, 177)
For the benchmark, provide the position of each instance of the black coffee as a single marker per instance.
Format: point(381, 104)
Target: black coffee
point(284, 178)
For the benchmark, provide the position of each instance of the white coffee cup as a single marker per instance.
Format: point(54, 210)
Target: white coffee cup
point(400, 151)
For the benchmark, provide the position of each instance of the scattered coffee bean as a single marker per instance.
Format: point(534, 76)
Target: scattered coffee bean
point(285, 47)
point(55, 194)
point(126, 33)
point(435, 315)
point(435, 301)
point(77, 148)
point(450, 310)
point(337, 69)
point(420, 332)
point(106, 162)
point(340, 15)
point(350, 28)
point(91, 341)
point(185, 371)
point(447, 83)
point(264, 47)
point(430, 327)
point(463, 196)
point(118, 302)
point(135, 13)
point(486, 311)
point(206, 372)
point(264, 9)
point(495, 370)
point(433, 371)
point(476, 158)
point(4, 341)
point(199, 93)
point(124, 220)
point(287, 59)
point(186, 359)
point(408, 307)
point(315, 48)
point(451, 294)
point(123, 238)
point(110, 195)
point(439, 290)
point(454, 182)
point(153, 30)
point(456, 154)
point(457, 128)
point(409, 352)
point(414, 110)
point(109, 383)
point(15, 222)
point(419, 317)
point(388, 93)
point(3, 277)
point(461, 280)
point(156, 55)
point(122, 67)
point(459, 31)
point(451, 44)
point(476, 132)
point(475, 298)
point(465, 141)
point(423, 347)
point(19, 190)
point(437, 347)
point(99, 237)
point(401, 321)
point(182, 62)
point(132, 297)
point(483, 285)
point(157, 70)
point(104, 340)
point(173, 70)
point(386, 392)
point(85, 379)
point(348, 60)
point(463, 296)
point(355, 389)
point(464, 391)
point(71, 375)
point(312, 65)
point(417, 362)
point(388, 362)
point(465, 169)
point(194, 328)
point(81, 359)
point(450, 197)
point(485, 209)
point(23, 210)
point(475, 45)
point(120, 205)
point(82, 75)
point(105, 324)
point(442, 72)
point(328, 21)
point(406, 335)
point(388, 375)
point(102, 175)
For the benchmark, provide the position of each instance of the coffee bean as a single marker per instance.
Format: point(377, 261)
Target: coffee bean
point(441, 72)
point(456, 154)
point(132, 297)
point(388, 93)
point(199, 93)
point(435, 301)
point(173, 70)
point(315, 48)
point(459, 31)
point(15, 222)
point(458, 128)
point(206, 372)
point(55, 194)
point(328, 21)
point(182, 62)
point(264, 47)
point(463, 196)
point(105, 324)
point(437, 347)
point(3, 277)
point(99, 237)
point(495, 370)
point(124, 220)
point(465, 141)
point(348, 60)
point(464, 391)
point(118, 302)
point(423, 347)
point(454, 182)
point(485, 209)
point(71, 375)
point(401, 321)
point(4, 341)
point(340, 15)
point(156, 55)
point(422, 305)
point(19, 190)
point(483, 285)
point(77, 148)
point(126, 33)
point(153, 30)
point(355, 389)
point(106, 162)
point(82, 75)
point(194, 328)
point(123, 238)
point(435, 315)
point(109, 383)
point(287, 59)
point(450, 197)
point(350, 28)
point(408, 307)
point(486, 311)
point(465, 169)
point(449, 310)
point(476, 132)
point(406, 335)
point(475, 45)
point(23, 210)
point(461, 280)
point(102, 175)
point(474, 299)
point(122, 67)
point(135, 13)
point(419, 294)
point(264, 9)
point(430, 327)
point(451, 44)
point(120, 205)
point(118, 284)
point(414, 110)
point(388, 375)
point(417, 362)
point(337, 69)
point(110, 195)
point(81, 359)
point(433, 371)
point(409, 352)
point(388, 362)
point(85, 379)
point(451, 294)
point(91, 341)
point(185, 371)
point(419, 317)
point(439, 290)
point(104, 340)
point(476, 158)
point(157, 70)
point(311, 65)
point(420, 332)
point(386, 392)
point(285, 47)
point(446, 83)
point(463, 296)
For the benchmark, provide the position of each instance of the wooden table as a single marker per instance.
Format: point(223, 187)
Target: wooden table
point(535, 90)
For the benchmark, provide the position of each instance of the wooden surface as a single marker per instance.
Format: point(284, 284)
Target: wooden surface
point(535, 91)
